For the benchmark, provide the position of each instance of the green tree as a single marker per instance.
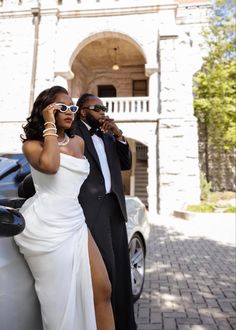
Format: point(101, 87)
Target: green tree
point(215, 83)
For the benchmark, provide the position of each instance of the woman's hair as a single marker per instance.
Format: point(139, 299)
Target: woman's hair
point(35, 123)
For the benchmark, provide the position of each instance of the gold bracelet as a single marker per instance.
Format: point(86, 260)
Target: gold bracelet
point(49, 129)
point(50, 134)
point(49, 122)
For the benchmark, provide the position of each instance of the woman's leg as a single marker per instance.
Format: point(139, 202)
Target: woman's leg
point(101, 288)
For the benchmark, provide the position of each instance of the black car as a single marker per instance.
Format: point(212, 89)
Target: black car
point(13, 170)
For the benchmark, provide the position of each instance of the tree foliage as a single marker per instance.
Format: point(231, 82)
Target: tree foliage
point(215, 83)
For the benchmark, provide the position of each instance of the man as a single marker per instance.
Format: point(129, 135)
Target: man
point(102, 199)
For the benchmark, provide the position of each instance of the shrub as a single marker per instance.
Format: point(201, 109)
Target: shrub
point(205, 187)
point(201, 208)
point(230, 209)
point(217, 196)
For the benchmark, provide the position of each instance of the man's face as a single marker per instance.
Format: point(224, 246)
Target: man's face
point(91, 117)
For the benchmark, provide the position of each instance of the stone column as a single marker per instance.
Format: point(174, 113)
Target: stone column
point(46, 46)
point(152, 72)
point(178, 170)
point(152, 176)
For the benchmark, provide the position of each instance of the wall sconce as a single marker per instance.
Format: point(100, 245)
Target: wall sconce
point(115, 66)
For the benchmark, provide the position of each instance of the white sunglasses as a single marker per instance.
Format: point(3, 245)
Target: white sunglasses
point(63, 107)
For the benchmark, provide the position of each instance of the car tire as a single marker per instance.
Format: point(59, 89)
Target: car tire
point(137, 264)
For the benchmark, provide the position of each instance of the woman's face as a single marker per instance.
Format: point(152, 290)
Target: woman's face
point(64, 119)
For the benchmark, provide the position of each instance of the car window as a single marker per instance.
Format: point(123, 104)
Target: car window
point(13, 169)
point(132, 204)
point(7, 166)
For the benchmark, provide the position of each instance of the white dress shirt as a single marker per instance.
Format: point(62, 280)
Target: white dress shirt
point(100, 148)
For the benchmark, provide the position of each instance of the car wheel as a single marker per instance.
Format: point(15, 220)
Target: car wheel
point(137, 263)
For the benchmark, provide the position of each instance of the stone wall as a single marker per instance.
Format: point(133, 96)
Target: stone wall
point(170, 46)
point(16, 39)
point(219, 167)
point(178, 165)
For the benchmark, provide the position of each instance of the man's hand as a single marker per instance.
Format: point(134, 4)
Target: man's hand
point(109, 126)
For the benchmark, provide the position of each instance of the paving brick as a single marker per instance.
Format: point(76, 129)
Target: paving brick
point(144, 320)
point(170, 324)
point(150, 327)
point(143, 312)
point(192, 313)
point(211, 303)
point(207, 320)
point(184, 327)
point(232, 321)
point(203, 327)
point(156, 318)
point(190, 321)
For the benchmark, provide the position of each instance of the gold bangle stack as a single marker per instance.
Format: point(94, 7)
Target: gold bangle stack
point(50, 122)
point(52, 131)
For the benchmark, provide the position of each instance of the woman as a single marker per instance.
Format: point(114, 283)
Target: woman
point(70, 277)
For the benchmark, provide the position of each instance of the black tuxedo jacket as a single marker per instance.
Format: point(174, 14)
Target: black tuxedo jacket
point(93, 189)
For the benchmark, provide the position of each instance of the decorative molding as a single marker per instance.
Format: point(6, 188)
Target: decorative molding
point(68, 75)
point(26, 12)
point(151, 69)
point(97, 12)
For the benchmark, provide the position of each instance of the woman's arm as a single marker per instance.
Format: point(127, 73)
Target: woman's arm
point(44, 156)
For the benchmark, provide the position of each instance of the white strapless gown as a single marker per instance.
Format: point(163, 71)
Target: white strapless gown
point(55, 245)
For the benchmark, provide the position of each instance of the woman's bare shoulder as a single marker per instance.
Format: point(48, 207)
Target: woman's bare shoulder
point(31, 145)
point(79, 140)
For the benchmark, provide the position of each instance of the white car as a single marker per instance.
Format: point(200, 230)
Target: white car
point(138, 232)
point(19, 306)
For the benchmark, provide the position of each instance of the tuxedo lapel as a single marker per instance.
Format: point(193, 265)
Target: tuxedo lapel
point(88, 142)
point(108, 150)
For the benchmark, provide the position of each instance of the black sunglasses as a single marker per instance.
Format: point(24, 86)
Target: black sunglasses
point(96, 107)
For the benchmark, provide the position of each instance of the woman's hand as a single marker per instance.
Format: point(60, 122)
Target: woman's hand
point(49, 112)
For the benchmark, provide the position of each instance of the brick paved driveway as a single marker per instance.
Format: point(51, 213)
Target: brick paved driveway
point(190, 277)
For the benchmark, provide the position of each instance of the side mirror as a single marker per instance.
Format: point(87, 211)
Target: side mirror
point(12, 222)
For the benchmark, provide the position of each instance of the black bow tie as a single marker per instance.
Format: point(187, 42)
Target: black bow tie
point(96, 131)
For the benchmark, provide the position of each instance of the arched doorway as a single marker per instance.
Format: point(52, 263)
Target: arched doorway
point(126, 90)
point(94, 70)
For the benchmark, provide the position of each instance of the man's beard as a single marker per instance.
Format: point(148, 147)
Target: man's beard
point(92, 122)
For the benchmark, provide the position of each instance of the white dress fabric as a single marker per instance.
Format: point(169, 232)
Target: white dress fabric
point(55, 245)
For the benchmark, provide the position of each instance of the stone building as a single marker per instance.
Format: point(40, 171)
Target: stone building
point(138, 55)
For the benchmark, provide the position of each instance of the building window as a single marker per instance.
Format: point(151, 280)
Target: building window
point(139, 87)
point(106, 91)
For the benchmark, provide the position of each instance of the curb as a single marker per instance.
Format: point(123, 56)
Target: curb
point(187, 215)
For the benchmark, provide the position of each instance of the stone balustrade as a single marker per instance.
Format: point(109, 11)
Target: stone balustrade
point(129, 108)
